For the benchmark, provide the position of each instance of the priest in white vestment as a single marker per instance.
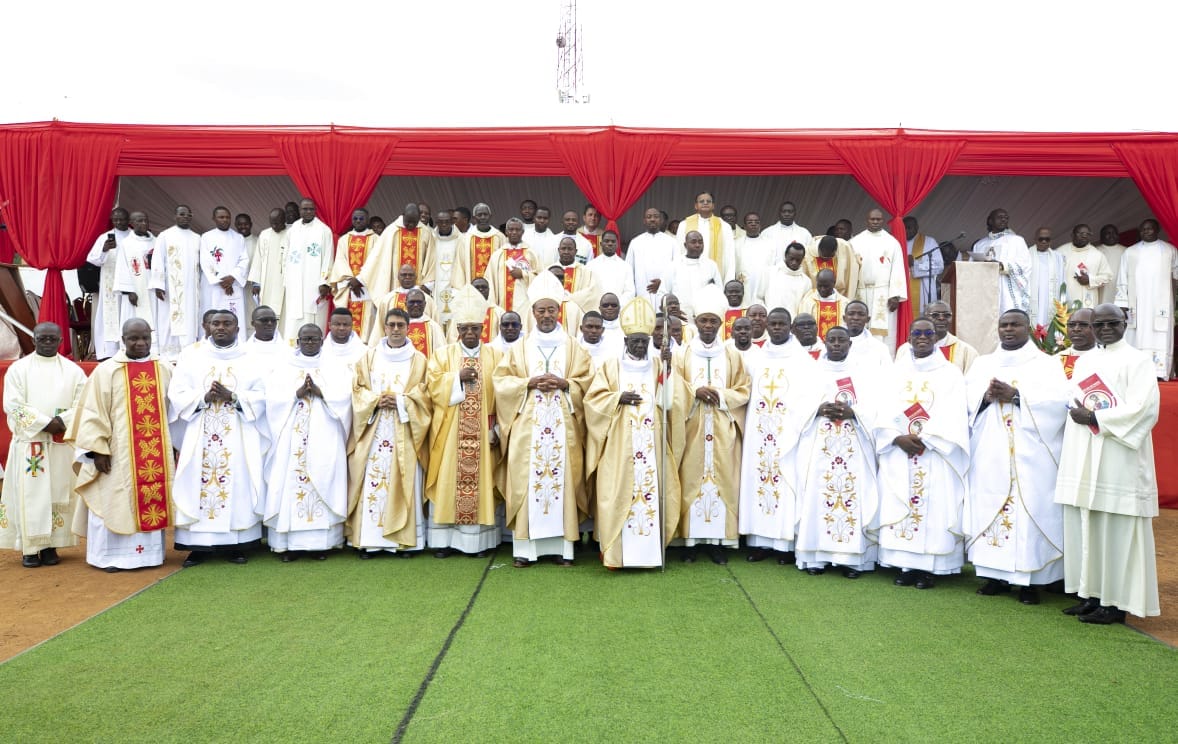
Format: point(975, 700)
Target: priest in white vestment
point(539, 386)
point(1082, 338)
point(133, 276)
point(925, 266)
point(387, 454)
point(650, 256)
point(786, 230)
point(540, 238)
point(175, 281)
point(1017, 405)
point(266, 347)
point(865, 349)
point(124, 449)
point(1046, 278)
point(781, 402)
point(510, 271)
point(692, 274)
point(838, 489)
point(482, 240)
point(785, 283)
point(1110, 246)
point(610, 271)
point(309, 415)
point(308, 262)
point(719, 242)
point(1107, 482)
point(960, 353)
point(1086, 269)
point(352, 253)
point(1009, 250)
point(883, 283)
point(755, 259)
point(447, 241)
point(343, 344)
point(219, 490)
point(922, 439)
point(266, 267)
point(104, 320)
point(41, 395)
point(1145, 290)
point(224, 266)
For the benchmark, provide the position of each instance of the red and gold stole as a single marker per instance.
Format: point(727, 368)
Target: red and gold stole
point(560, 316)
point(594, 240)
point(399, 301)
point(570, 273)
point(151, 453)
point(480, 254)
point(949, 351)
point(419, 336)
point(1069, 364)
point(470, 432)
point(821, 263)
point(730, 316)
point(408, 244)
point(357, 253)
point(828, 317)
point(515, 254)
point(486, 335)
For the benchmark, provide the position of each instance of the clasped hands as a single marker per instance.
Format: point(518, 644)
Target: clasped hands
point(218, 393)
point(308, 389)
point(999, 392)
point(547, 383)
point(836, 411)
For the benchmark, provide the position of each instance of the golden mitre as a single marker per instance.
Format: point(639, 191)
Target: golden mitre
point(637, 317)
point(467, 306)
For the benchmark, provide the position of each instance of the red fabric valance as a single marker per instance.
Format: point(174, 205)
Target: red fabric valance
point(338, 171)
point(56, 189)
point(898, 173)
point(1154, 168)
point(613, 169)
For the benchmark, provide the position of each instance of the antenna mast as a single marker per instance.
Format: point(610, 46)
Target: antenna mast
point(570, 80)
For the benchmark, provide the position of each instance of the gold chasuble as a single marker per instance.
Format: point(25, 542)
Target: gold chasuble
point(462, 461)
point(124, 414)
point(715, 245)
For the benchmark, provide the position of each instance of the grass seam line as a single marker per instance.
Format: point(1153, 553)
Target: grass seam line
point(789, 657)
point(429, 675)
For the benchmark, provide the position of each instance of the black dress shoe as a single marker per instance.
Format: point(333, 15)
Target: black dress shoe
point(719, 556)
point(1104, 616)
point(237, 557)
point(49, 557)
point(786, 559)
point(521, 563)
point(1084, 607)
point(688, 556)
point(112, 569)
point(290, 556)
point(194, 559)
point(566, 562)
point(993, 587)
point(1028, 595)
point(906, 578)
point(757, 554)
point(441, 553)
point(851, 573)
point(365, 555)
point(815, 571)
point(31, 561)
point(320, 556)
point(924, 581)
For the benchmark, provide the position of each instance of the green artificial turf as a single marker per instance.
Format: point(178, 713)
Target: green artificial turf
point(337, 651)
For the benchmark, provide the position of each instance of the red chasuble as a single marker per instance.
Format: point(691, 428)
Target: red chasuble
point(151, 455)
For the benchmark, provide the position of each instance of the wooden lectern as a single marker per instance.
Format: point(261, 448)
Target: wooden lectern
point(972, 289)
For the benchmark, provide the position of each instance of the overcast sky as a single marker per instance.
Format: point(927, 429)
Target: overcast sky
point(998, 65)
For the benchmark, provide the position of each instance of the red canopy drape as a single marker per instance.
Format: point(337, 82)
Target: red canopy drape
point(56, 188)
point(898, 172)
point(338, 171)
point(613, 169)
point(1154, 168)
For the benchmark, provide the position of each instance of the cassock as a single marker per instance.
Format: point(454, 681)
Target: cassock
point(123, 413)
point(1113, 254)
point(175, 268)
point(838, 489)
point(781, 401)
point(132, 274)
point(104, 326)
point(348, 353)
point(1107, 482)
point(928, 263)
point(784, 287)
point(710, 471)
point(507, 292)
point(844, 263)
point(1015, 273)
point(828, 312)
point(308, 263)
point(219, 492)
point(544, 433)
point(222, 254)
point(755, 258)
point(307, 489)
point(266, 267)
point(881, 277)
point(1087, 260)
point(958, 352)
point(37, 501)
point(268, 354)
point(635, 451)
point(543, 244)
point(1047, 276)
point(1145, 286)
point(783, 235)
point(719, 242)
point(869, 351)
point(688, 276)
point(460, 484)
point(475, 255)
point(387, 454)
point(612, 274)
point(650, 257)
point(1013, 527)
point(921, 497)
point(352, 252)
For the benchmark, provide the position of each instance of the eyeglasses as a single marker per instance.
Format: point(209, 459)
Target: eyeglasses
point(1043, 240)
point(266, 321)
point(1078, 324)
point(940, 316)
point(926, 334)
point(1098, 324)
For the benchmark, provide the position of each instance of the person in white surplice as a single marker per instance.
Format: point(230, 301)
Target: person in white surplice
point(309, 414)
point(132, 275)
point(41, 393)
point(387, 454)
point(883, 284)
point(1145, 290)
point(305, 271)
point(1107, 482)
point(224, 265)
point(104, 326)
point(265, 277)
point(650, 256)
point(779, 405)
point(923, 444)
point(838, 490)
point(218, 395)
point(175, 280)
point(1017, 406)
